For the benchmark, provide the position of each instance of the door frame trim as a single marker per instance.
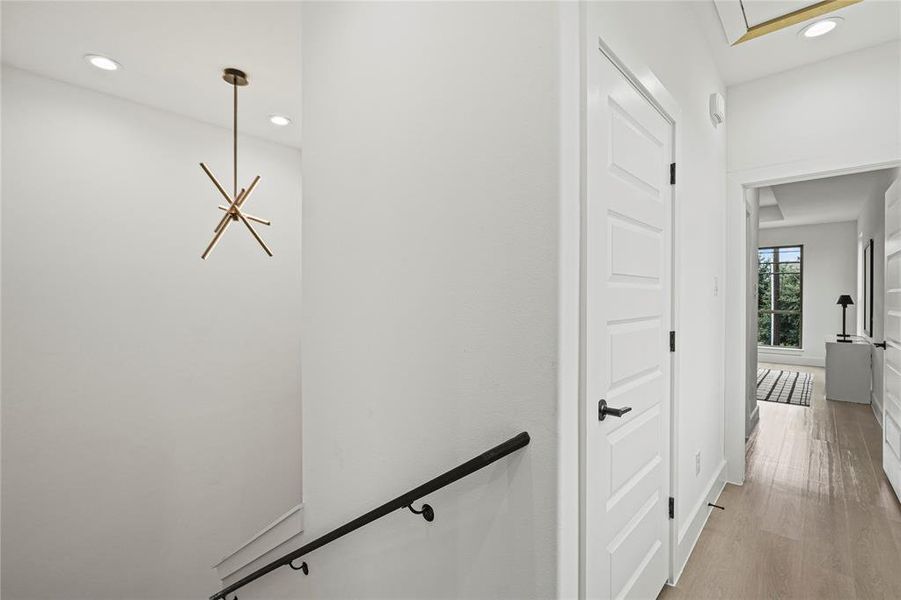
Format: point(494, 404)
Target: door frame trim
point(568, 298)
point(642, 78)
point(737, 248)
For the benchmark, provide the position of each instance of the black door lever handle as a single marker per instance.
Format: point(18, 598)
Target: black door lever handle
point(880, 345)
point(604, 410)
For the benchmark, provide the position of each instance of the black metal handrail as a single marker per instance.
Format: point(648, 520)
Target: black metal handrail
point(403, 501)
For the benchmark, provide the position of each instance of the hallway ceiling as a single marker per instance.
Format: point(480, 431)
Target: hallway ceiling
point(827, 200)
point(172, 54)
point(868, 23)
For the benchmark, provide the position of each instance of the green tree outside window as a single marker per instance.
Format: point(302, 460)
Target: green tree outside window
point(779, 296)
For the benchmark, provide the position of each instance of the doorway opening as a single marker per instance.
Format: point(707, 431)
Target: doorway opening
point(820, 293)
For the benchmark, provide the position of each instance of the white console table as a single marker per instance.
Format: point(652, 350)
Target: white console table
point(849, 369)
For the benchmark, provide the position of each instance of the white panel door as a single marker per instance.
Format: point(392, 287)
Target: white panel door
point(891, 394)
point(627, 316)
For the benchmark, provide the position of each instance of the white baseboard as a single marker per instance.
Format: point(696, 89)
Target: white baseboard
point(690, 531)
point(791, 359)
point(273, 536)
point(876, 405)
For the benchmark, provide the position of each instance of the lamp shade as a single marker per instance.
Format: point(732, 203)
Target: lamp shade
point(845, 300)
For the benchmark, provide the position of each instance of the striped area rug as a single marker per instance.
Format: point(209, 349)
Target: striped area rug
point(787, 387)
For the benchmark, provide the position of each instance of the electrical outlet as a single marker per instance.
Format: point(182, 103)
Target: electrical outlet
point(698, 462)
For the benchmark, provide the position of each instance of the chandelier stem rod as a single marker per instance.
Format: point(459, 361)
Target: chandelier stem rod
point(235, 140)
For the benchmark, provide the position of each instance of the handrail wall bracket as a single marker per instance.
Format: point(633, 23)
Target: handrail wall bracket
point(303, 567)
point(427, 512)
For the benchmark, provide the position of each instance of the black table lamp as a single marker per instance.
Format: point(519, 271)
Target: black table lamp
point(844, 300)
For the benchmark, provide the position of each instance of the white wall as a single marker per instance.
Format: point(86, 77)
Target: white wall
point(151, 400)
point(648, 32)
point(777, 134)
point(844, 106)
point(871, 225)
point(430, 296)
point(829, 270)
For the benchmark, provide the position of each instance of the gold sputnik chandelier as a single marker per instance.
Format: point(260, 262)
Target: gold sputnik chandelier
point(236, 201)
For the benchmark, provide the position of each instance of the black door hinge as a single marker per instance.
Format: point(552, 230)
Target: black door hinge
point(672, 341)
point(672, 508)
point(672, 174)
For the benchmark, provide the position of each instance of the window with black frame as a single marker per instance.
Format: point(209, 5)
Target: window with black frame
point(779, 296)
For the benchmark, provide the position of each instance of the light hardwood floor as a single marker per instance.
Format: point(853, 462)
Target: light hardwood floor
point(816, 517)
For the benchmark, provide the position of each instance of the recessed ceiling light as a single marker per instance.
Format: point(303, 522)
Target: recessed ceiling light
point(102, 62)
point(279, 120)
point(821, 27)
